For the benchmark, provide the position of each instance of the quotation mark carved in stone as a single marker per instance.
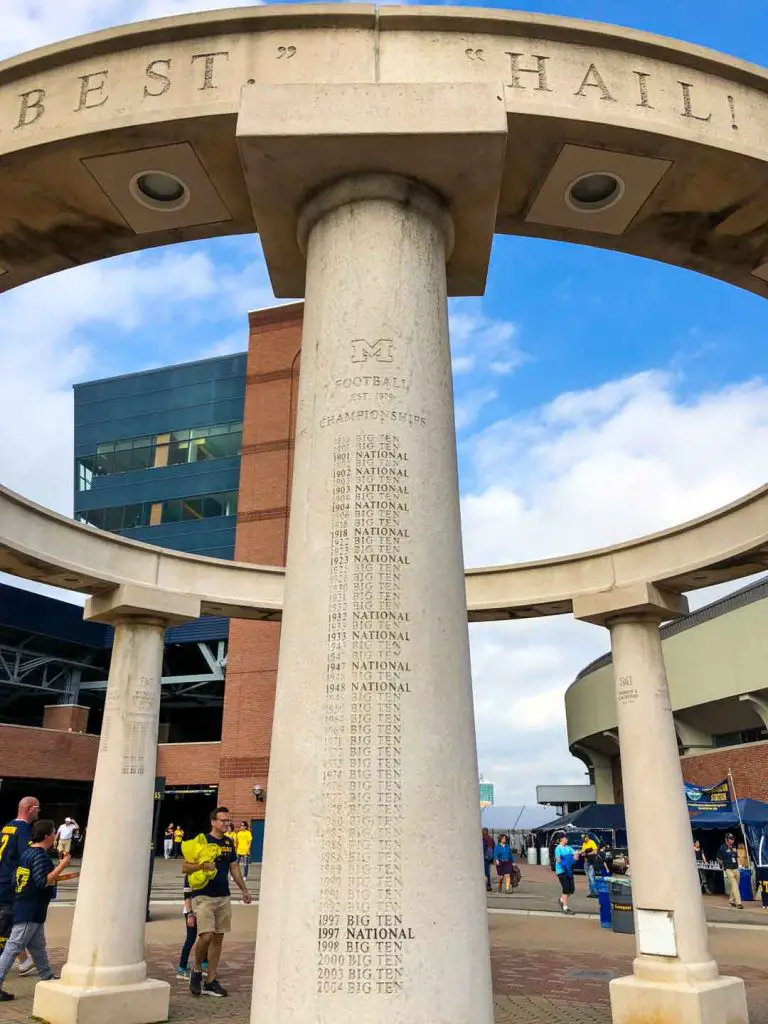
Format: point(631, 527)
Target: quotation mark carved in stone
point(474, 54)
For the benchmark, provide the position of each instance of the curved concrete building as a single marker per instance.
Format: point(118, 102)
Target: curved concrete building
point(716, 666)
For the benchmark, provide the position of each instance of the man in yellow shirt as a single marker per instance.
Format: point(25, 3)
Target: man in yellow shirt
point(243, 842)
point(588, 856)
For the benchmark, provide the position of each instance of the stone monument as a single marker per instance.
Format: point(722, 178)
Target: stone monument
point(372, 907)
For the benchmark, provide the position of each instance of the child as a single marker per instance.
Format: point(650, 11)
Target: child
point(182, 971)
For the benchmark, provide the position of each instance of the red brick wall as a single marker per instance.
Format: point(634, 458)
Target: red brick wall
point(27, 752)
point(748, 764)
point(262, 526)
point(189, 763)
point(66, 717)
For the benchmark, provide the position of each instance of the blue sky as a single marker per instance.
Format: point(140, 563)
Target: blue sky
point(599, 396)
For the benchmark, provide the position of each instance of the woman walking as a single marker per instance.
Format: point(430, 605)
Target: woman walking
point(505, 860)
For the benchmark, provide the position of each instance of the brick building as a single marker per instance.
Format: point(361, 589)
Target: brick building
point(715, 660)
point(196, 457)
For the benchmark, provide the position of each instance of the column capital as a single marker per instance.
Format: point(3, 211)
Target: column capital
point(133, 601)
point(357, 188)
point(297, 138)
point(635, 601)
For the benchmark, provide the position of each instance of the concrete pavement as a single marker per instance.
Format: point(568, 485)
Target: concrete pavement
point(546, 969)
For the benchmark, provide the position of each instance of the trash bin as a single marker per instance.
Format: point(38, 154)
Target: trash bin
point(604, 901)
point(532, 855)
point(745, 885)
point(544, 855)
point(622, 918)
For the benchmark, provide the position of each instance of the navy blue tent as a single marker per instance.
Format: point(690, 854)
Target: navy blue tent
point(754, 817)
point(604, 822)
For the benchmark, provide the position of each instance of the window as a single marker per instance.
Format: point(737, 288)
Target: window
point(174, 510)
point(155, 451)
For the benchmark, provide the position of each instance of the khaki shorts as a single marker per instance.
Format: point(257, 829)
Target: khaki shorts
point(65, 845)
point(213, 913)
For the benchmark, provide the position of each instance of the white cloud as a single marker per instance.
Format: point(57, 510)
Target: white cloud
point(588, 469)
point(27, 26)
point(480, 343)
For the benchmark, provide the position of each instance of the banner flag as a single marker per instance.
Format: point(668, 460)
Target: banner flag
point(708, 798)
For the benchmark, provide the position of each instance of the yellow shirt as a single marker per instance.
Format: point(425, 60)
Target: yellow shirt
point(243, 841)
point(178, 835)
point(589, 846)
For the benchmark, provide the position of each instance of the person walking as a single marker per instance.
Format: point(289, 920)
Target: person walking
point(178, 839)
point(36, 878)
point(729, 861)
point(168, 842)
point(589, 856)
point(489, 848)
point(212, 906)
point(565, 856)
point(505, 860)
point(15, 837)
point(64, 835)
point(243, 844)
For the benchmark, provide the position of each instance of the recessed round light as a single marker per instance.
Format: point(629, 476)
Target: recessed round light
point(159, 190)
point(594, 191)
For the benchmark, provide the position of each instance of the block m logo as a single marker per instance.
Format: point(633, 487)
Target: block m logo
point(380, 351)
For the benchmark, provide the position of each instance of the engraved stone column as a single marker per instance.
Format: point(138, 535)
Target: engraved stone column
point(372, 900)
point(675, 976)
point(105, 977)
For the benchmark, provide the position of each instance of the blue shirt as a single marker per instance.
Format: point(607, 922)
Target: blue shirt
point(219, 884)
point(503, 853)
point(564, 858)
point(15, 837)
point(33, 894)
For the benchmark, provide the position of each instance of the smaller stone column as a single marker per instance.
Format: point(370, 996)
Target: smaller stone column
point(105, 977)
point(675, 977)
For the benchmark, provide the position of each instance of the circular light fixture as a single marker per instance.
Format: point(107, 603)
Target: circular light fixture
point(597, 190)
point(159, 190)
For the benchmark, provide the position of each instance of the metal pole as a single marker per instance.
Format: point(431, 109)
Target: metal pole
point(738, 815)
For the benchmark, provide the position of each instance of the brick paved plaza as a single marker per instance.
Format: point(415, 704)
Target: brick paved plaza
point(546, 969)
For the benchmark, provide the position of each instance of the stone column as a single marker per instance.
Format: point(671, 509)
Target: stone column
point(372, 900)
point(675, 976)
point(105, 977)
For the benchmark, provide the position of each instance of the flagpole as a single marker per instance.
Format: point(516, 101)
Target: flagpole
point(738, 815)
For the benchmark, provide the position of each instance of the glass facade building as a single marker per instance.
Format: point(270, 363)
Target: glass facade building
point(157, 454)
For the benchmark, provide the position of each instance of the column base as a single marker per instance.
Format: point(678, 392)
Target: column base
point(639, 1001)
point(145, 1002)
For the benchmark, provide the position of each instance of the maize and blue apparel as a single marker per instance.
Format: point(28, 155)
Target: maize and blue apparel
point(219, 884)
point(15, 838)
point(33, 893)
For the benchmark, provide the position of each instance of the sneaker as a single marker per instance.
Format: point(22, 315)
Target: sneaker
point(27, 968)
point(196, 983)
point(6, 997)
point(25, 965)
point(183, 973)
point(213, 988)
